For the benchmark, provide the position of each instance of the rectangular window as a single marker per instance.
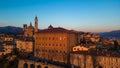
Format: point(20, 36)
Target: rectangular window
point(46, 38)
point(60, 38)
point(56, 44)
point(74, 48)
point(49, 38)
point(53, 38)
point(43, 38)
point(53, 44)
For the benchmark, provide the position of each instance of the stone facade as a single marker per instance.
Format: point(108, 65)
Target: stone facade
point(34, 64)
point(6, 48)
point(92, 60)
point(54, 44)
point(25, 44)
point(30, 30)
point(80, 48)
point(84, 47)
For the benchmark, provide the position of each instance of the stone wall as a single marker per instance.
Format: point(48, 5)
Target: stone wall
point(35, 64)
point(93, 61)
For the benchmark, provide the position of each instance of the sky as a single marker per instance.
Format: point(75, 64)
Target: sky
point(81, 15)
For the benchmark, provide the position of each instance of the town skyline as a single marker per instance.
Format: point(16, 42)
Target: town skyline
point(83, 15)
point(60, 34)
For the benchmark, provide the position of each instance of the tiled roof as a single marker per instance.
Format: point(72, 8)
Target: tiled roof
point(54, 30)
point(98, 53)
point(87, 45)
point(9, 43)
point(30, 27)
point(26, 39)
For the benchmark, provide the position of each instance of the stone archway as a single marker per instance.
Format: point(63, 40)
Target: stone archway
point(46, 67)
point(32, 66)
point(100, 67)
point(39, 66)
point(25, 65)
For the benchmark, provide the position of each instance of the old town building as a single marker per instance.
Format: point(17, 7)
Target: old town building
point(9, 38)
point(96, 59)
point(36, 64)
point(25, 44)
point(6, 47)
point(84, 47)
point(30, 30)
point(2, 37)
point(55, 43)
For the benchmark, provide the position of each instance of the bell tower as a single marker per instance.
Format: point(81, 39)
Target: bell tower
point(36, 24)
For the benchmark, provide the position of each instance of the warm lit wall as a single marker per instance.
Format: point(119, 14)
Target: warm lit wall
point(80, 48)
point(29, 32)
point(21, 64)
point(8, 39)
point(7, 49)
point(26, 46)
point(54, 46)
point(91, 61)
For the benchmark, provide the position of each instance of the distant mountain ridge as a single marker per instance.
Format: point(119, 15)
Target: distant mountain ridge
point(112, 34)
point(10, 29)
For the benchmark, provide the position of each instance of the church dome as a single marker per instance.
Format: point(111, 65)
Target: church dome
point(50, 27)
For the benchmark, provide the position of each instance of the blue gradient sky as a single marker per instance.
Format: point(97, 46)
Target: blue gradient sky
point(83, 15)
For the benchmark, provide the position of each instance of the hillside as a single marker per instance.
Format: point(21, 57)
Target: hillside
point(112, 34)
point(10, 29)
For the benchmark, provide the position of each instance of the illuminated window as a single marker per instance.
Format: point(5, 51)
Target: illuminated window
point(60, 38)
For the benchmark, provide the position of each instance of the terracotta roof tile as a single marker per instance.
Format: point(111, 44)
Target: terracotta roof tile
point(59, 30)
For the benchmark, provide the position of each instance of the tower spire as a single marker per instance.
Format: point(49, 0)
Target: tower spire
point(36, 24)
point(30, 23)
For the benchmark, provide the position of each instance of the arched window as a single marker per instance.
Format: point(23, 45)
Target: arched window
point(100, 67)
point(39, 66)
point(46, 67)
point(25, 65)
point(32, 66)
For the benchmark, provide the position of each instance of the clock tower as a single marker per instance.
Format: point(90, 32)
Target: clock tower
point(36, 24)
